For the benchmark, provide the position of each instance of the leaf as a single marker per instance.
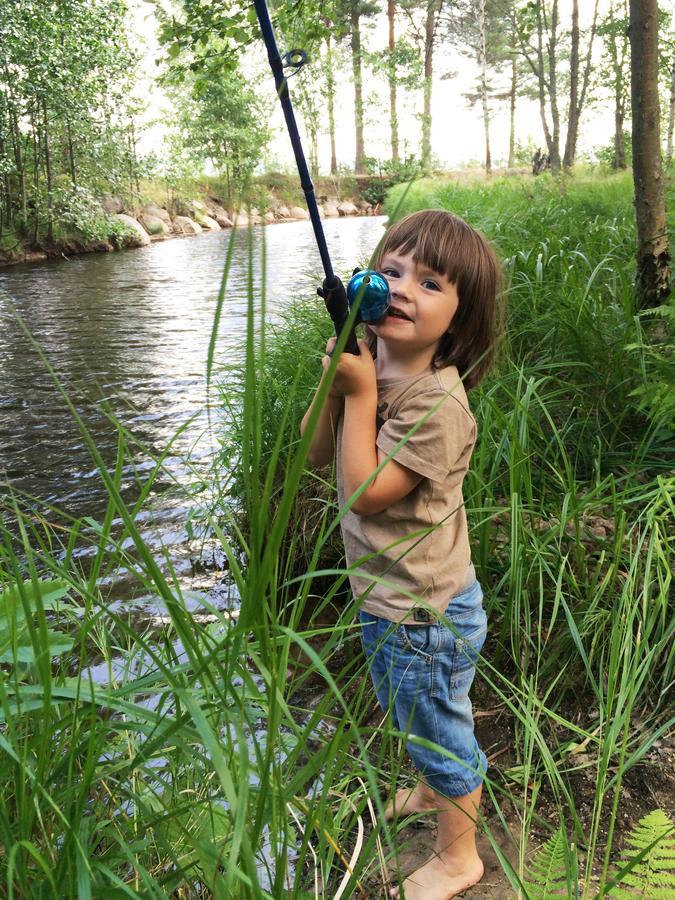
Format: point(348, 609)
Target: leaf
point(648, 860)
point(549, 874)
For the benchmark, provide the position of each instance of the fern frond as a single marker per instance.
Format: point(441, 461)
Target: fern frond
point(648, 868)
point(550, 871)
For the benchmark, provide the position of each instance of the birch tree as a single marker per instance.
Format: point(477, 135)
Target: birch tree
point(653, 252)
point(578, 89)
point(615, 72)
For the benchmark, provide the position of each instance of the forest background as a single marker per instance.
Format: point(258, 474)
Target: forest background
point(79, 114)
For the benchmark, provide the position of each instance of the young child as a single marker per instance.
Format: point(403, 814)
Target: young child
point(406, 535)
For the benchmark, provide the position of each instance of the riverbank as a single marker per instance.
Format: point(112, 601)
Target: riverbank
point(114, 223)
point(157, 212)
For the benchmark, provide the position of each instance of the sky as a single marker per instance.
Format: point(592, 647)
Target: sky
point(457, 129)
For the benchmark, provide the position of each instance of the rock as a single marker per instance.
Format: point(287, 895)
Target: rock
point(153, 224)
point(140, 236)
point(211, 224)
point(241, 220)
point(112, 204)
point(253, 218)
point(186, 225)
point(197, 206)
point(331, 210)
point(269, 218)
point(220, 214)
point(297, 212)
point(347, 208)
point(158, 212)
point(283, 212)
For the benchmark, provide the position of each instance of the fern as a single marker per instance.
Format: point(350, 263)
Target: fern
point(648, 868)
point(551, 871)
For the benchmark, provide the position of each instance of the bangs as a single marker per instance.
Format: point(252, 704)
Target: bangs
point(436, 239)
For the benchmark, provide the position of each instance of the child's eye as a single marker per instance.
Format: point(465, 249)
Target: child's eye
point(392, 273)
point(431, 285)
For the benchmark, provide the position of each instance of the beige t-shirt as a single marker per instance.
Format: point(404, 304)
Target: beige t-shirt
point(421, 543)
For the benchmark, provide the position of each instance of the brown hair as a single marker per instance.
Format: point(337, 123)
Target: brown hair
point(448, 245)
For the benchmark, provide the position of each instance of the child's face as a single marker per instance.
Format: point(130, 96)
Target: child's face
point(423, 303)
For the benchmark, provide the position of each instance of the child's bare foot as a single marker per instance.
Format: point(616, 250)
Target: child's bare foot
point(441, 878)
point(409, 801)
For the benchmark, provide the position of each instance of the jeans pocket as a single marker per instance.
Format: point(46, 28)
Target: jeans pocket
point(467, 649)
point(422, 640)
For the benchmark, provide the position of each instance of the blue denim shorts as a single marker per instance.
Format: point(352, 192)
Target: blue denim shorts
point(422, 673)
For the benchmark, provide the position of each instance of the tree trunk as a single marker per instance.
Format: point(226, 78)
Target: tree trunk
point(671, 114)
point(393, 116)
point(540, 72)
point(359, 162)
point(619, 145)
point(573, 114)
point(512, 111)
point(578, 95)
point(19, 159)
point(48, 174)
point(554, 149)
point(653, 253)
point(330, 85)
point(484, 86)
point(36, 180)
point(618, 56)
point(71, 155)
point(433, 9)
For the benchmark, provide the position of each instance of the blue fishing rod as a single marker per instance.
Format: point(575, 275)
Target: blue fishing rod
point(367, 289)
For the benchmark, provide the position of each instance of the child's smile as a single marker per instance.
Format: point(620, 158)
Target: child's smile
point(423, 303)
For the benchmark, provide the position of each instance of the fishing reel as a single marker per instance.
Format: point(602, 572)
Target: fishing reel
point(370, 290)
point(366, 288)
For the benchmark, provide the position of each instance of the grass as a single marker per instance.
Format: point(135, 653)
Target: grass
point(240, 757)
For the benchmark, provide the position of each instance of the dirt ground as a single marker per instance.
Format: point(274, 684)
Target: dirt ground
point(647, 786)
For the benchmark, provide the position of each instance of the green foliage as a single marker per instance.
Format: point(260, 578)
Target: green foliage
point(388, 174)
point(220, 119)
point(606, 154)
point(648, 860)
point(65, 107)
point(551, 870)
point(20, 606)
point(80, 213)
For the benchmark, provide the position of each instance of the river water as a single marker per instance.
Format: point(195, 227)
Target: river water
point(128, 335)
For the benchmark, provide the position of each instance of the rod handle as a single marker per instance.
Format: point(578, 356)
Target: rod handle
point(335, 298)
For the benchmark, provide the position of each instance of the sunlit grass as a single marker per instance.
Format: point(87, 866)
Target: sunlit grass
point(242, 757)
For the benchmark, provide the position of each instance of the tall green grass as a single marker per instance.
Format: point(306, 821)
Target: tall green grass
point(241, 757)
point(570, 496)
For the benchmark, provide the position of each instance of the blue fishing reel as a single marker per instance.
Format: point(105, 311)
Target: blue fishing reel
point(371, 291)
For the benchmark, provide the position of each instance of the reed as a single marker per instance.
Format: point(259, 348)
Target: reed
point(241, 757)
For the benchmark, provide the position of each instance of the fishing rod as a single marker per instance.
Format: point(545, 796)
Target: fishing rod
point(367, 289)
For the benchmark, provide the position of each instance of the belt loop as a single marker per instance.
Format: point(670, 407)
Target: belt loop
point(420, 614)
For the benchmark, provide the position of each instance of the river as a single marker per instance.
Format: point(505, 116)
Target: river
point(128, 335)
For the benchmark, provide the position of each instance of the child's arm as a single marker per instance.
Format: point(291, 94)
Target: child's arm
point(322, 448)
point(355, 378)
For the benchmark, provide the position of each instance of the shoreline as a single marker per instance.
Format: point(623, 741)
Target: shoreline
point(73, 247)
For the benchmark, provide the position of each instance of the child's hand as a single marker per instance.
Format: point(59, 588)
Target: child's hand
point(355, 375)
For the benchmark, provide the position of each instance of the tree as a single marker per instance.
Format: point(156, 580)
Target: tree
point(578, 91)
point(220, 121)
point(653, 252)
point(65, 76)
point(615, 73)
point(391, 77)
point(478, 25)
point(353, 11)
point(537, 31)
